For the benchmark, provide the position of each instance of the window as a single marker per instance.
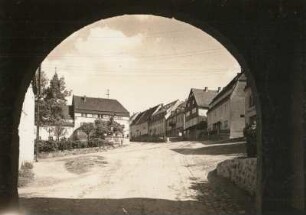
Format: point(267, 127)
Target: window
point(225, 124)
point(84, 114)
point(188, 113)
point(194, 110)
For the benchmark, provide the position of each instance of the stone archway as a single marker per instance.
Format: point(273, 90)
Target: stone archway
point(265, 38)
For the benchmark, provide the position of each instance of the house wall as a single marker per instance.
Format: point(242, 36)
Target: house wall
point(157, 127)
point(237, 103)
point(250, 111)
point(79, 119)
point(48, 131)
point(220, 113)
point(139, 129)
point(178, 129)
point(26, 128)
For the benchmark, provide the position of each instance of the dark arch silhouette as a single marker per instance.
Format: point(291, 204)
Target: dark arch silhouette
point(266, 38)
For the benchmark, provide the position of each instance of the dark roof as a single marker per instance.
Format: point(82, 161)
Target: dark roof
point(98, 105)
point(164, 108)
point(228, 89)
point(145, 116)
point(135, 121)
point(202, 97)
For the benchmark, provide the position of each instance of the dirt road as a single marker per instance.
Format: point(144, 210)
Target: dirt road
point(170, 172)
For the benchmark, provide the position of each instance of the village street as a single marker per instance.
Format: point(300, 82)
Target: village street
point(141, 178)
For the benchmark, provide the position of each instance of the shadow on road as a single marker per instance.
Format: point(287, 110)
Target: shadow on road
point(223, 195)
point(238, 148)
point(135, 206)
point(216, 196)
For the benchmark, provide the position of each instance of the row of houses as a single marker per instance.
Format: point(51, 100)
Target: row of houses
point(222, 112)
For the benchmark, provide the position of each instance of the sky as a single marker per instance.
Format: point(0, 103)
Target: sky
point(143, 60)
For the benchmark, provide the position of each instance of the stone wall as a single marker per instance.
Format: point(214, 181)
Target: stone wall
point(241, 171)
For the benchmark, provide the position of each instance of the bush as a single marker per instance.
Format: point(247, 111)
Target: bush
point(251, 140)
point(65, 144)
point(47, 145)
point(99, 142)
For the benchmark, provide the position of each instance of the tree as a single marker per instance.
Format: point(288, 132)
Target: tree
point(53, 101)
point(87, 128)
point(101, 128)
point(57, 90)
point(59, 131)
point(115, 127)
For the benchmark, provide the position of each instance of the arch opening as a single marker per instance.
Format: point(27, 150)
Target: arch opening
point(212, 130)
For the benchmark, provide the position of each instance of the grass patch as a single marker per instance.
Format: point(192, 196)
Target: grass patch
point(83, 164)
point(26, 174)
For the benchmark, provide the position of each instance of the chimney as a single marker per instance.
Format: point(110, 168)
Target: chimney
point(219, 89)
point(205, 89)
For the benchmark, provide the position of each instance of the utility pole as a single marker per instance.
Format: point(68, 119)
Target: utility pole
point(37, 114)
point(107, 93)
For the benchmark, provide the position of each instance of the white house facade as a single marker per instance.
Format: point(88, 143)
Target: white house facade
point(26, 128)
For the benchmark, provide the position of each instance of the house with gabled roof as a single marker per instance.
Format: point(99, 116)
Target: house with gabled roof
point(175, 124)
point(225, 117)
point(140, 125)
point(197, 106)
point(88, 109)
point(157, 123)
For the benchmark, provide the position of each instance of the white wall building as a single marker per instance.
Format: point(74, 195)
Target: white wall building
point(27, 128)
point(88, 109)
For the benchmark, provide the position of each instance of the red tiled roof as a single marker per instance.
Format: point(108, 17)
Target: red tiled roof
point(98, 105)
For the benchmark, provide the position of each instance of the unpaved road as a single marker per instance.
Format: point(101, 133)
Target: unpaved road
point(161, 173)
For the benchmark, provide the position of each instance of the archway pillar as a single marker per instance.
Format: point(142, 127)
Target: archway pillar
point(277, 67)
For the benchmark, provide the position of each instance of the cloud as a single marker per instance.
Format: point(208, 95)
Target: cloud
point(136, 56)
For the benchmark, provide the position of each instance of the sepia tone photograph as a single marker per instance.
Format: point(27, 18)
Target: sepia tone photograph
point(173, 107)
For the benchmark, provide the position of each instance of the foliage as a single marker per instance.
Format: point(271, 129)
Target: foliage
point(104, 128)
point(250, 132)
point(59, 129)
point(115, 127)
point(87, 128)
point(96, 142)
point(50, 103)
point(47, 146)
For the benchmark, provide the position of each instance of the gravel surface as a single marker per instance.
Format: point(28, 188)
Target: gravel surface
point(142, 178)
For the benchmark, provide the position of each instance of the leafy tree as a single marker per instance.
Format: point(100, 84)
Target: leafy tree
point(57, 90)
point(101, 128)
point(59, 130)
point(87, 128)
point(51, 101)
point(115, 127)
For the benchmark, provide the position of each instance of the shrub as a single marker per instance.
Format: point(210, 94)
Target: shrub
point(251, 140)
point(65, 144)
point(47, 145)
